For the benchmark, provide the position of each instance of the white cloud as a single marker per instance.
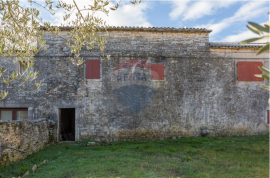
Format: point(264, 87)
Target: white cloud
point(179, 7)
point(204, 8)
point(247, 11)
point(218, 27)
point(243, 36)
point(240, 37)
point(195, 10)
point(129, 15)
point(250, 10)
point(126, 15)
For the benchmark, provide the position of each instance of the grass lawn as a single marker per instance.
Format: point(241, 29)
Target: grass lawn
point(186, 157)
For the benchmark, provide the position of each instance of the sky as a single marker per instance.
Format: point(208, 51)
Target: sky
point(227, 18)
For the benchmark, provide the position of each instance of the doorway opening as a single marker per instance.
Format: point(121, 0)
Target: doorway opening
point(67, 124)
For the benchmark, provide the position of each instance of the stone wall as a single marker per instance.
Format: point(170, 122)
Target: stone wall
point(200, 89)
point(29, 136)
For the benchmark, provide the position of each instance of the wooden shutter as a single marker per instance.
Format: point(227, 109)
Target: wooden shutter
point(161, 71)
point(14, 115)
point(157, 71)
point(255, 70)
point(92, 69)
point(243, 71)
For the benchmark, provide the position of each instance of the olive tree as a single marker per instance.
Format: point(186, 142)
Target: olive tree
point(263, 32)
point(20, 32)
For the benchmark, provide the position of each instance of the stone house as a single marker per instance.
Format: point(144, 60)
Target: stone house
point(158, 83)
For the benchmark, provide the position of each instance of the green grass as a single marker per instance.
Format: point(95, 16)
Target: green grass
point(187, 157)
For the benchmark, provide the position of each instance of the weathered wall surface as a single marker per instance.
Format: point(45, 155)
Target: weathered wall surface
point(200, 89)
point(29, 136)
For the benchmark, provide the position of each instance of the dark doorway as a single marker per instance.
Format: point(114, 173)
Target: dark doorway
point(67, 124)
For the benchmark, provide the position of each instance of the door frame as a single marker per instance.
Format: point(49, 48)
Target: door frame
point(58, 123)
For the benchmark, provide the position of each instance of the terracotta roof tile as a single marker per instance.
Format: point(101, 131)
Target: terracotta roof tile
point(158, 29)
point(235, 45)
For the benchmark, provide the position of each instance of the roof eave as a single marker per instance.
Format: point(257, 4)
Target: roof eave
point(236, 47)
point(144, 29)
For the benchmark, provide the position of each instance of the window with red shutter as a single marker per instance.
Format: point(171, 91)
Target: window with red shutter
point(92, 69)
point(157, 71)
point(248, 70)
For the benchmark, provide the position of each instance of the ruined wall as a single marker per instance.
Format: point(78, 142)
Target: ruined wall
point(29, 136)
point(200, 90)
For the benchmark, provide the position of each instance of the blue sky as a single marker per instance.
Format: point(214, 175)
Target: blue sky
point(227, 18)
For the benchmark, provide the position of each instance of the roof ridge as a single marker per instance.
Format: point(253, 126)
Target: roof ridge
point(235, 44)
point(133, 28)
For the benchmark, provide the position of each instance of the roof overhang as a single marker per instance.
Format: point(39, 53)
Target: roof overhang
point(144, 29)
point(226, 45)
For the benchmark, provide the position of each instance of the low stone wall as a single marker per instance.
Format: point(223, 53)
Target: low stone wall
point(29, 136)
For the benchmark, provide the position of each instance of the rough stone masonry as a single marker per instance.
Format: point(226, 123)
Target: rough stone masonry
point(200, 89)
point(28, 136)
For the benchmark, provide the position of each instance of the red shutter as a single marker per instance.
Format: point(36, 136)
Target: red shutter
point(154, 71)
point(92, 69)
point(88, 69)
point(96, 69)
point(14, 115)
point(161, 71)
point(157, 71)
point(243, 71)
point(255, 70)
point(267, 116)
